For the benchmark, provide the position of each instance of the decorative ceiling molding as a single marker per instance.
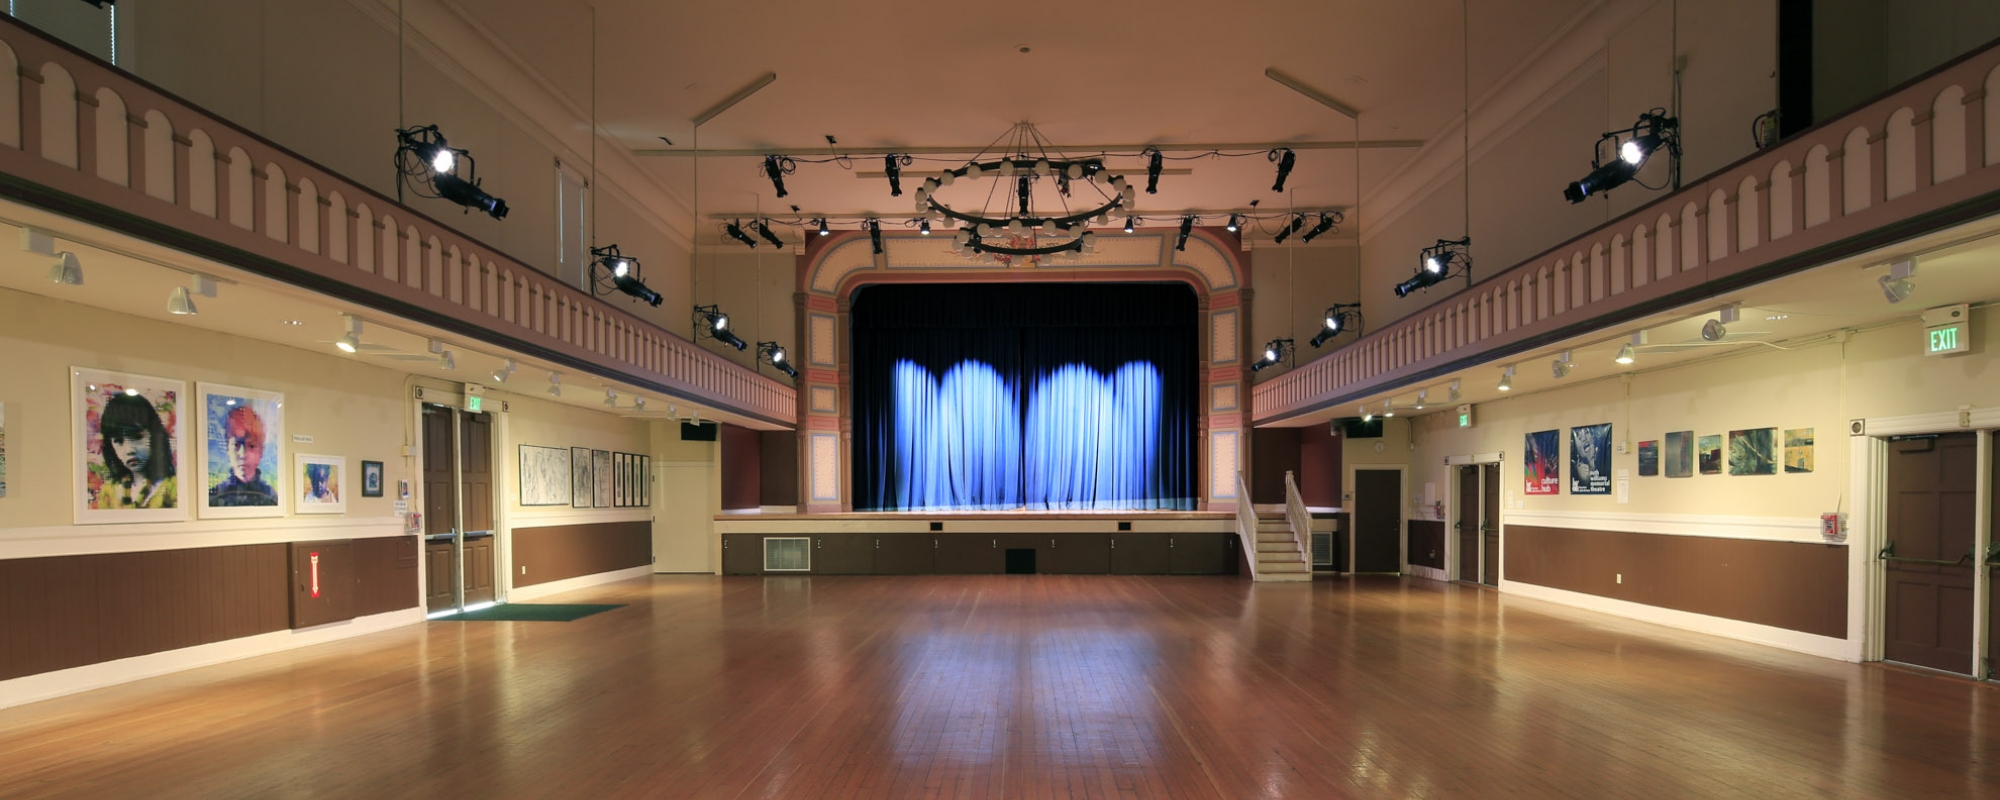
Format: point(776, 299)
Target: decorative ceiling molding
point(473, 56)
point(1565, 59)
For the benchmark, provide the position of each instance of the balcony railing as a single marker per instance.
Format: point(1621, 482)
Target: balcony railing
point(88, 140)
point(1923, 157)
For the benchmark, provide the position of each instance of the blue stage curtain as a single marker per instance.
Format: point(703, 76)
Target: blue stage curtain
point(1036, 396)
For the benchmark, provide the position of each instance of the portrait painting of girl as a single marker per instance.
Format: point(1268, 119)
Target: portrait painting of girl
point(129, 447)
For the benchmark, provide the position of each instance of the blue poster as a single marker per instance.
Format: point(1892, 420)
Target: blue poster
point(1590, 459)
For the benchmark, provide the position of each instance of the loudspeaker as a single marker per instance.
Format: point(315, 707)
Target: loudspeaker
point(703, 432)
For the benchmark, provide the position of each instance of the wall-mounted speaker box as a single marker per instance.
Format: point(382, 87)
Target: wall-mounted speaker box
point(703, 432)
point(1354, 428)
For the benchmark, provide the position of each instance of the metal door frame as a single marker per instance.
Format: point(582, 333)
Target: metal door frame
point(1452, 463)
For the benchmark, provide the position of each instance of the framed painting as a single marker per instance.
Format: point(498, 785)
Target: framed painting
point(371, 479)
point(544, 476)
point(600, 478)
point(241, 452)
point(646, 481)
point(129, 445)
point(581, 486)
point(618, 482)
point(322, 484)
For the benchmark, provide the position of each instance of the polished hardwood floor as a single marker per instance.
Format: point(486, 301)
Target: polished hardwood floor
point(1022, 686)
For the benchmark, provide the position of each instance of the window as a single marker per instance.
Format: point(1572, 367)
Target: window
point(572, 228)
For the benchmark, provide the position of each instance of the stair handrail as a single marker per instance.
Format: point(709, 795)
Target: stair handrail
point(1246, 524)
point(1299, 519)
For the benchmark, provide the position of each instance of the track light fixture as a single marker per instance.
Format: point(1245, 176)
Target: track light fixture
point(445, 358)
point(1285, 158)
point(618, 272)
point(1897, 286)
point(1507, 378)
point(1276, 351)
point(1187, 227)
point(822, 227)
point(711, 323)
point(1453, 395)
point(735, 230)
point(1560, 366)
point(770, 353)
point(1628, 151)
point(1388, 409)
point(610, 397)
point(555, 384)
point(924, 227)
point(638, 403)
point(1235, 223)
point(1630, 351)
point(1129, 224)
point(1155, 162)
point(1445, 259)
point(1285, 231)
point(1422, 395)
point(776, 168)
point(764, 230)
point(350, 340)
point(1340, 318)
point(1326, 221)
point(505, 371)
point(434, 169)
point(1717, 329)
point(66, 269)
point(893, 164)
point(874, 239)
point(1366, 415)
point(180, 303)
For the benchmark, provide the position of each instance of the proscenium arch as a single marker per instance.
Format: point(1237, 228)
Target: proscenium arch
point(838, 253)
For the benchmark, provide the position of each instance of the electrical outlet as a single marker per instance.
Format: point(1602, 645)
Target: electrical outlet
point(1621, 577)
point(524, 569)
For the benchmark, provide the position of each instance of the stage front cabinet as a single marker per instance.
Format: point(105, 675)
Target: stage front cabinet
point(988, 554)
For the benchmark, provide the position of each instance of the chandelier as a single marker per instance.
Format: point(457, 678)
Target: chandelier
point(1019, 227)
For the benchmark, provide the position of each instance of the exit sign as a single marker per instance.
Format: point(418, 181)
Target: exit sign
point(1947, 330)
point(475, 400)
point(1465, 416)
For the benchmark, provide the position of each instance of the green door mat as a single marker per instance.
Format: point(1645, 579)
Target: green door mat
point(530, 612)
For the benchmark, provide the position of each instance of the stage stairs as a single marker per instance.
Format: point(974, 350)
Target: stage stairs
point(1279, 554)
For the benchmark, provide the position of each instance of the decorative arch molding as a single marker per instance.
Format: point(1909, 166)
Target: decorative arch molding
point(832, 268)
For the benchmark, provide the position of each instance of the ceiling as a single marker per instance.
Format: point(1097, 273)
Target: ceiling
point(130, 276)
point(896, 73)
point(1953, 266)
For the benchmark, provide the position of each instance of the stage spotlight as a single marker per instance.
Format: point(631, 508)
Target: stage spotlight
point(1340, 318)
point(423, 156)
point(770, 353)
point(1276, 351)
point(776, 168)
point(874, 237)
point(1897, 286)
point(1285, 231)
point(1154, 163)
point(764, 230)
point(1285, 158)
point(638, 403)
point(1235, 223)
point(822, 227)
point(350, 341)
point(624, 274)
point(1435, 264)
point(711, 323)
point(468, 194)
point(1128, 224)
point(555, 384)
point(1560, 366)
point(1655, 131)
point(735, 231)
point(1507, 378)
point(505, 371)
point(924, 227)
point(892, 164)
point(1325, 224)
point(1187, 226)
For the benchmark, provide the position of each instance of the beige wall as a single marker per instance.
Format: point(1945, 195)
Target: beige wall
point(1293, 286)
point(755, 287)
point(1862, 48)
point(542, 422)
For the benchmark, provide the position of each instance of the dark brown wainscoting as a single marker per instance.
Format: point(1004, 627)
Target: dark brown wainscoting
point(557, 552)
point(1797, 586)
point(1427, 543)
point(385, 574)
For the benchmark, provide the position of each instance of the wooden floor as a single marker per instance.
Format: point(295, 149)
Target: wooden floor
point(1022, 686)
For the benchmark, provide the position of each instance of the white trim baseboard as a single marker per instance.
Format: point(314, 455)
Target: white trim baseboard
point(1810, 644)
point(31, 688)
point(541, 590)
point(1777, 529)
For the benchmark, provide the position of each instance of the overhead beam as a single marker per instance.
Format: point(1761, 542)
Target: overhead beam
point(1311, 93)
point(741, 95)
point(1117, 217)
point(1189, 147)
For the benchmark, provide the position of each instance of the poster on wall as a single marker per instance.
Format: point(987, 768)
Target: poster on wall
point(1649, 458)
point(1543, 463)
point(600, 476)
point(242, 467)
point(1590, 459)
point(130, 453)
point(1680, 454)
point(1708, 454)
point(1753, 452)
point(322, 484)
point(544, 476)
point(581, 486)
point(1798, 450)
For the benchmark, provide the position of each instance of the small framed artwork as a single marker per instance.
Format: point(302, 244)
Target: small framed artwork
point(646, 481)
point(243, 434)
point(1798, 450)
point(371, 479)
point(1649, 458)
point(1708, 453)
point(128, 440)
point(580, 484)
point(619, 484)
point(600, 478)
point(322, 482)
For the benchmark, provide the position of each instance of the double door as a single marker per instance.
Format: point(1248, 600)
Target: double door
point(460, 555)
point(1477, 523)
point(1930, 555)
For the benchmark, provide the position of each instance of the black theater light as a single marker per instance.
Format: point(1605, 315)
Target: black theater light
point(1325, 224)
point(764, 230)
point(892, 165)
point(1298, 221)
point(1285, 158)
point(735, 231)
point(776, 168)
point(822, 227)
point(711, 323)
point(1154, 163)
point(1276, 351)
point(1235, 223)
point(1628, 151)
point(1445, 259)
point(875, 235)
point(621, 272)
point(1340, 318)
point(1187, 226)
point(434, 169)
point(1128, 224)
point(770, 353)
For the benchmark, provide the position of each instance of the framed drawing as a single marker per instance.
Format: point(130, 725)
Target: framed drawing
point(242, 466)
point(617, 480)
point(544, 476)
point(322, 484)
point(600, 478)
point(129, 447)
point(581, 487)
point(371, 479)
point(646, 481)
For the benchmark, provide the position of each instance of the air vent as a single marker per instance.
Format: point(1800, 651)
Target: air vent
point(787, 554)
point(1322, 548)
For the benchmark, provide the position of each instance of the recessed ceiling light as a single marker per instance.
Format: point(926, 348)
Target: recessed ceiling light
point(290, 322)
point(1776, 317)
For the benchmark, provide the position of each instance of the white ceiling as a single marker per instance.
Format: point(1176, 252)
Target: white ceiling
point(896, 73)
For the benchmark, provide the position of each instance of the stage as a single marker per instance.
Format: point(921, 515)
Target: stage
point(971, 542)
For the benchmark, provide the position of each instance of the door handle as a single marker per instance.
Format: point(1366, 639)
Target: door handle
point(1052, 544)
point(1114, 544)
point(996, 544)
point(1889, 551)
point(819, 543)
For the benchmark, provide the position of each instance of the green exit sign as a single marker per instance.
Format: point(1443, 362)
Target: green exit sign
point(1946, 339)
point(1465, 416)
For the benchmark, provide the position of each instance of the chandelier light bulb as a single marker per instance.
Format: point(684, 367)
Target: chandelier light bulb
point(1074, 172)
point(973, 171)
point(1007, 168)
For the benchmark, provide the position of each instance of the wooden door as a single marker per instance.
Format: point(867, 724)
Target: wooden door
point(479, 568)
point(903, 554)
point(1199, 553)
point(1076, 554)
point(440, 459)
point(1928, 561)
point(437, 577)
point(843, 554)
point(1466, 523)
point(1139, 554)
point(742, 554)
point(968, 554)
point(1489, 524)
point(1378, 519)
point(476, 470)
